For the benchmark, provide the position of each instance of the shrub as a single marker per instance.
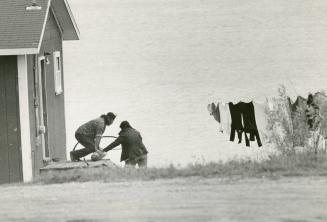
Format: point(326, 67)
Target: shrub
point(280, 122)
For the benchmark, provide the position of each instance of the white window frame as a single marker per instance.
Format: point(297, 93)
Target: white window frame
point(57, 72)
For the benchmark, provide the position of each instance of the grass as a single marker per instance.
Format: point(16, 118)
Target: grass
point(301, 164)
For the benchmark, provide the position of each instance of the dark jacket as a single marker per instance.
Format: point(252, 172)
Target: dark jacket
point(131, 142)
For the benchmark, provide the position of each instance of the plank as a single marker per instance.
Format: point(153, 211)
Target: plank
point(13, 127)
point(68, 165)
point(4, 164)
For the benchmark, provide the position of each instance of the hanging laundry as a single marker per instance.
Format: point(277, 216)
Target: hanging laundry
point(249, 123)
point(236, 125)
point(211, 108)
point(278, 121)
point(216, 113)
point(261, 116)
point(274, 122)
point(225, 120)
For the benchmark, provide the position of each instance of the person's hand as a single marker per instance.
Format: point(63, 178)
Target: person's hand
point(98, 155)
point(101, 151)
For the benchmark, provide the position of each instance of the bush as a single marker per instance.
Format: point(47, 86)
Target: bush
point(280, 123)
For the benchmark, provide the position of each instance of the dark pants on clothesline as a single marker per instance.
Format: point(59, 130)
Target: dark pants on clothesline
point(88, 144)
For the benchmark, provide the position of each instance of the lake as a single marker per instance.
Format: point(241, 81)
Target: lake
point(158, 63)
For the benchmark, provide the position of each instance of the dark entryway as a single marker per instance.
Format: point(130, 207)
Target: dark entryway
point(10, 152)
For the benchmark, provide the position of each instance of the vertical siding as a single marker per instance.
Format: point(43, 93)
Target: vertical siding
point(4, 162)
point(10, 147)
point(52, 41)
point(14, 154)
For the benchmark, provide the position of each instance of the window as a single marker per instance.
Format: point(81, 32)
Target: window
point(57, 73)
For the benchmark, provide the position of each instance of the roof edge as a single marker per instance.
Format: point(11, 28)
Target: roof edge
point(44, 24)
point(20, 51)
point(72, 19)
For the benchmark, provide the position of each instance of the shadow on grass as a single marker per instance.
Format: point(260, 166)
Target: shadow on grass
point(302, 164)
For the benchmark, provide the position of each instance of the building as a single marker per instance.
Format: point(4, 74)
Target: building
point(32, 111)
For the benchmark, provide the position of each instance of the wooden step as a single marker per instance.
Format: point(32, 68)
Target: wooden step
point(68, 165)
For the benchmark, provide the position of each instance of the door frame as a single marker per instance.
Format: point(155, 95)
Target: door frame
point(42, 127)
point(24, 118)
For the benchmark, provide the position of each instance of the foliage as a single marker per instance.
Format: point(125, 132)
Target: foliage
point(290, 128)
point(280, 122)
point(322, 103)
point(300, 128)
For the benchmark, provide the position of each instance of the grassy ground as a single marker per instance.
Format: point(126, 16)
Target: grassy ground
point(191, 199)
point(304, 164)
point(282, 189)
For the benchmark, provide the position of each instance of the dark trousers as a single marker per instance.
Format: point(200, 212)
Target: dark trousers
point(141, 161)
point(88, 144)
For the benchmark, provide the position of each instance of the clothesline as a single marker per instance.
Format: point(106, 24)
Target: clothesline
point(251, 118)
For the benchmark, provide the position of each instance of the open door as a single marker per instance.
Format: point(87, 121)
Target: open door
point(41, 108)
point(10, 147)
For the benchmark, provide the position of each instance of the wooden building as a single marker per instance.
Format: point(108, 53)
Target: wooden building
point(32, 111)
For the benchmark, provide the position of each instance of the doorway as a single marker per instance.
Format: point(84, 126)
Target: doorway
point(41, 109)
point(10, 147)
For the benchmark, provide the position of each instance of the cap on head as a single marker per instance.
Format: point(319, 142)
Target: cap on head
point(125, 124)
point(111, 115)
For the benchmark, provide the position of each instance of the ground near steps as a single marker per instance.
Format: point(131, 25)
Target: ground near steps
point(299, 199)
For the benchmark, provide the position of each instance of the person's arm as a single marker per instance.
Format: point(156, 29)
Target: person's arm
point(97, 142)
point(100, 127)
point(115, 143)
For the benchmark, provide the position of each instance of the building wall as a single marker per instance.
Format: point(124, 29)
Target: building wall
point(37, 158)
point(52, 41)
point(10, 143)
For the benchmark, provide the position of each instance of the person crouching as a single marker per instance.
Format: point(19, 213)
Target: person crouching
point(90, 134)
point(133, 149)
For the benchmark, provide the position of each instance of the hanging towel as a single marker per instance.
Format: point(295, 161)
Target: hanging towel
point(225, 121)
point(261, 117)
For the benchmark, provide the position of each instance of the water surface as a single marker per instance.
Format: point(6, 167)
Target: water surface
point(158, 63)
